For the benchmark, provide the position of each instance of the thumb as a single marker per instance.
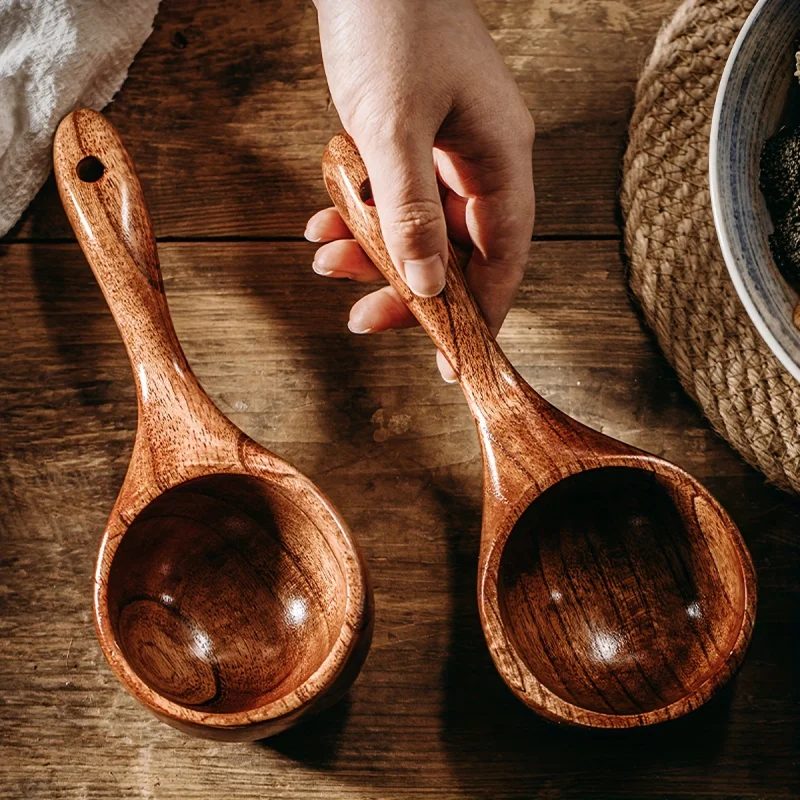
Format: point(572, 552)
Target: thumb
point(406, 195)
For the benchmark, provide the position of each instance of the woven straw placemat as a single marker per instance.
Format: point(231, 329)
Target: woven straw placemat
point(675, 266)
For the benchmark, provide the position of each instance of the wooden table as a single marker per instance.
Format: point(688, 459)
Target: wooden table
point(226, 113)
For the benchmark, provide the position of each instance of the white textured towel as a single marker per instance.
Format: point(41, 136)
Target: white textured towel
point(55, 56)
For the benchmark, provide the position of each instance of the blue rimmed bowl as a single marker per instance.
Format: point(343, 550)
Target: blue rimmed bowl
point(750, 102)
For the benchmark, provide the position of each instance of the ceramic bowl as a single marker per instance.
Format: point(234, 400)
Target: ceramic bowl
point(750, 102)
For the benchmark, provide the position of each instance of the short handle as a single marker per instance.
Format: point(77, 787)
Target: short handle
point(452, 318)
point(106, 208)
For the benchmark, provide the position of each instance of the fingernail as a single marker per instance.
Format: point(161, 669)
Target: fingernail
point(445, 370)
point(310, 234)
point(320, 270)
point(425, 276)
point(355, 327)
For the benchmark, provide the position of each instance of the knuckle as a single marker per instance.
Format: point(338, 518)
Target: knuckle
point(413, 219)
point(392, 124)
point(366, 120)
point(384, 120)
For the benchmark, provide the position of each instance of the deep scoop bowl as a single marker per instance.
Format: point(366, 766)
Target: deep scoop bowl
point(615, 600)
point(750, 102)
point(229, 597)
point(226, 601)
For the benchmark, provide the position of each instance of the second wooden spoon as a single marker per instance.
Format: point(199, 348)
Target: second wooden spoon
point(614, 591)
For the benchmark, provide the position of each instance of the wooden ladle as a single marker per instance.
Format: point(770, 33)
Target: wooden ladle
point(229, 597)
point(614, 591)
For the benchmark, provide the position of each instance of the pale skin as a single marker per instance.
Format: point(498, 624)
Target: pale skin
point(447, 141)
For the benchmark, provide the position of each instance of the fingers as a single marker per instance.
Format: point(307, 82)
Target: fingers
point(455, 212)
point(325, 226)
point(380, 311)
point(499, 217)
point(502, 236)
point(406, 194)
point(501, 227)
point(491, 174)
point(383, 310)
point(345, 259)
point(342, 257)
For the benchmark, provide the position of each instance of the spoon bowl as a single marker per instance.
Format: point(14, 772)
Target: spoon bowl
point(229, 597)
point(615, 601)
point(222, 542)
point(614, 591)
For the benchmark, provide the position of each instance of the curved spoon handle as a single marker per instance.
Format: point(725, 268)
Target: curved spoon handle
point(452, 318)
point(106, 208)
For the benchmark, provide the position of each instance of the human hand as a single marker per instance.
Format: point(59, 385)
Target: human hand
point(446, 139)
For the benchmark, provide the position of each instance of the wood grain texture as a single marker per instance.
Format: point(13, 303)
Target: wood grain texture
point(614, 591)
point(368, 419)
point(226, 114)
point(229, 597)
point(228, 100)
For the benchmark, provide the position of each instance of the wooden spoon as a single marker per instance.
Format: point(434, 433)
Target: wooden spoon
point(614, 591)
point(229, 597)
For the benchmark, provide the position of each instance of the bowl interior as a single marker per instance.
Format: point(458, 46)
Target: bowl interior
point(750, 103)
point(615, 596)
point(225, 594)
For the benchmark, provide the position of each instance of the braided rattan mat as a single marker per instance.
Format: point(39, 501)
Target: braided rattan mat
point(676, 269)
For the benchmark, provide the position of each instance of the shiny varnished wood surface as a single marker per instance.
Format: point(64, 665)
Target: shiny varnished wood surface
point(613, 589)
point(395, 449)
point(229, 597)
point(369, 421)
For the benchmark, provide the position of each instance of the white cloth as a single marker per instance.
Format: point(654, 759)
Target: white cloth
point(55, 56)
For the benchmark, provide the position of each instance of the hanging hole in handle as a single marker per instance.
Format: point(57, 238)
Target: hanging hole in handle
point(90, 169)
point(365, 193)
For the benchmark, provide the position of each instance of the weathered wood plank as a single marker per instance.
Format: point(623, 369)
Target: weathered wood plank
point(369, 420)
point(226, 113)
